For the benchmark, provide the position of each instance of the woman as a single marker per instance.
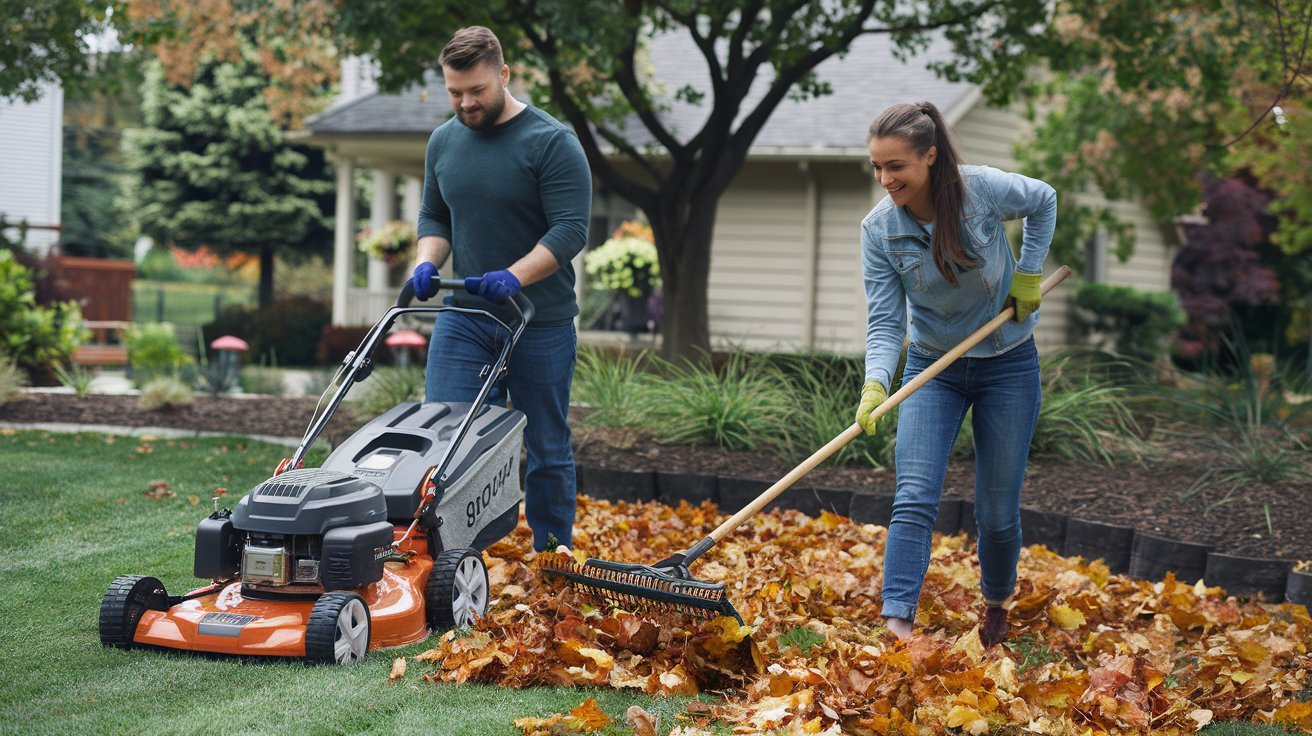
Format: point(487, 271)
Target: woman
point(934, 250)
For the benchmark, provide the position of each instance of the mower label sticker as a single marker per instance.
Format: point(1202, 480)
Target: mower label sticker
point(491, 490)
point(224, 624)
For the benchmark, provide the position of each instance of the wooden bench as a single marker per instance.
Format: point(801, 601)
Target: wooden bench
point(106, 346)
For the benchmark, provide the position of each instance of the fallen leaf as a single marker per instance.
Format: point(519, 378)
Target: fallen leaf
point(398, 669)
point(643, 723)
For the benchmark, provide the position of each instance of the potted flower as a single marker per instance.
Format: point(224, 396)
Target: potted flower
point(627, 264)
point(393, 243)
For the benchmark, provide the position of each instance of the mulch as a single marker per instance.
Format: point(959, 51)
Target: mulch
point(1268, 520)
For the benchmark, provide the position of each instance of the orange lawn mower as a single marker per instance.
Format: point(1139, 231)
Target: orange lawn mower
point(376, 548)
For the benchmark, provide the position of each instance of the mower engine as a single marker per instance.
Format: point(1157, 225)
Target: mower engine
point(304, 531)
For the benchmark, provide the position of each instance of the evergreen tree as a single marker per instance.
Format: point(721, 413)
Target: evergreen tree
point(211, 168)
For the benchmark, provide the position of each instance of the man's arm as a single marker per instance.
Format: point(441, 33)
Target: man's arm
point(537, 265)
point(433, 249)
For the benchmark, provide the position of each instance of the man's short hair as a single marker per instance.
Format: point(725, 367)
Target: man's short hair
point(470, 46)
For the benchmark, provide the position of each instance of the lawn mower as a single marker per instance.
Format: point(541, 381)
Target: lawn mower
point(376, 548)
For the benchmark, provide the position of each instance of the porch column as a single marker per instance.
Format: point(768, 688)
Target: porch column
point(343, 239)
point(381, 209)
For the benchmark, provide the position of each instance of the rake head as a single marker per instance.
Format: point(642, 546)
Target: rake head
point(666, 586)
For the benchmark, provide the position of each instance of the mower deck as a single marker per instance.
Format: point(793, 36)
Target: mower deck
point(229, 623)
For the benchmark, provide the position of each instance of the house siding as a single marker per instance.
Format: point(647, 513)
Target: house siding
point(31, 150)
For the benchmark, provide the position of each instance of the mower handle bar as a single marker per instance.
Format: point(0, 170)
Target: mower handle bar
point(522, 306)
point(359, 363)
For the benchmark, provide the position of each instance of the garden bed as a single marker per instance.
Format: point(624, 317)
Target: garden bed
point(1152, 497)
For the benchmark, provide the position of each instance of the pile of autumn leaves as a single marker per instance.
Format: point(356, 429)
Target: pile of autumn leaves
point(1089, 652)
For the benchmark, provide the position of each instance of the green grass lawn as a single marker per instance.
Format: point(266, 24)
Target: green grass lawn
point(184, 303)
point(74, 514)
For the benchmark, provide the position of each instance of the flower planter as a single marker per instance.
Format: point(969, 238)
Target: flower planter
point(671, 488)
point(877, 508)
point(1042, 527)
point(812, 501)
point(968, 524)
point(1298, 588)
point(1095, 540)
point(735, 493)
point(1152, 556)
point(617, 485)
point(949, 516)
point(871, 508)
point(1248, 576)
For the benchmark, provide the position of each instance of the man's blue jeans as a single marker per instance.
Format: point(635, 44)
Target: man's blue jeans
point(1005, 393)
point(540, 371)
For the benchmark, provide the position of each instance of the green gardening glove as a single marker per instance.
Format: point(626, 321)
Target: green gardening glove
point(873, 394)
point(1025, 293)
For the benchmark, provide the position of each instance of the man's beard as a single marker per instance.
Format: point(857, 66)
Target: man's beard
point(491, 113)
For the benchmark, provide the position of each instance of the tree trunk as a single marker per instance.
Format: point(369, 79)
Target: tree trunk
point(683, 240)
point(266, 276)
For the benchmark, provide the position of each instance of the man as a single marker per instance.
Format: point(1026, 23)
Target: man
point(507, 192)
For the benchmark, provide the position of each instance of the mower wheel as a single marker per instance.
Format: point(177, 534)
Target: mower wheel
point(128, 597)
point(338, 631)
point(457, 589)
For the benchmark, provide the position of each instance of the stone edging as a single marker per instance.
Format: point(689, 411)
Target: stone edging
point(1124, 549)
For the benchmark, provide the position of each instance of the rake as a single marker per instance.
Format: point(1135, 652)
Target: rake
point(668, 585)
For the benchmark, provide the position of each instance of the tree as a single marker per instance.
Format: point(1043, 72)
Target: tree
point(1219, 271)
point(47, 40)
point(212, 168)
point(585, 61)
point(1144, 99)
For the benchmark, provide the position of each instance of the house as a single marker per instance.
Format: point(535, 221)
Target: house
point(31, 149)
point(785, 269)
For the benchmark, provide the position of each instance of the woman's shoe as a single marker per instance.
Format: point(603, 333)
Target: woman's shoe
point(993, 630)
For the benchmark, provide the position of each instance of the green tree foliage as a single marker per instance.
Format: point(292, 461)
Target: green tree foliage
point(212, 168)
point(45, 41)
point(586, 60)
point(1142, 98)
point(95, 223)
point(1136, 323)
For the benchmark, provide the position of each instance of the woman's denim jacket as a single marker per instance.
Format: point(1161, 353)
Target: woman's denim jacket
point(901, 278)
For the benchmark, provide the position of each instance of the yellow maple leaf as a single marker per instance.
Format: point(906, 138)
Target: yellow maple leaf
point(1065, 616)
point(967, 719)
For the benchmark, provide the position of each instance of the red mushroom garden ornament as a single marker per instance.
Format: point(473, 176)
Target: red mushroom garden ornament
point(402, 342)
point(228, 347)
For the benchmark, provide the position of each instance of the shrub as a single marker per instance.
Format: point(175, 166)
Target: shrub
point(1249, 422)
point(1136, 323)
point(826, 390)
point(612, 388)
point(336, 341)
point(285, 333)
point(165, 392)
point(36, 337)
point(742, 406)
point(153, 351)
point(77, 378)
point(1083, 418)
point(386, 387)
point(12, 378)
point(259, 380)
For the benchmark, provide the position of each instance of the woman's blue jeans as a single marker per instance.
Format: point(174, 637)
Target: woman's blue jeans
point(540, 371)
point(1006, 395)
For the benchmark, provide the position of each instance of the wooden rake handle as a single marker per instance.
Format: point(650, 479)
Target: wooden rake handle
point(852, 432)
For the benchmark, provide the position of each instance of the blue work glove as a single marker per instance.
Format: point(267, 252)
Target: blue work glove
point(423, 281)
point(494, 286)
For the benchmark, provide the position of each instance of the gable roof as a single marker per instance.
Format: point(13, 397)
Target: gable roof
point(867, 79)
